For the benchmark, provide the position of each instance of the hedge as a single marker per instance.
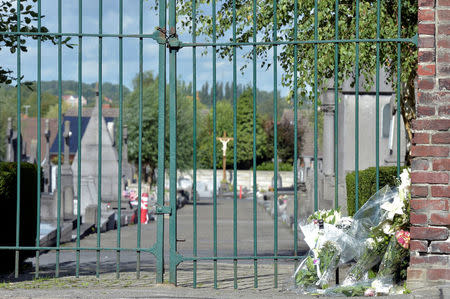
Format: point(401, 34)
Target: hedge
point(269, 166)
point(368, 184)
point(28, 211)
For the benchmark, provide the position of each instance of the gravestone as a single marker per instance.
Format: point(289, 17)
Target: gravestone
point(89, 164)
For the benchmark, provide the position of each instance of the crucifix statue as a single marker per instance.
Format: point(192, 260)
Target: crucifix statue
point(224, 139)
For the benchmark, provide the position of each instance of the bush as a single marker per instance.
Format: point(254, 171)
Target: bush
point(368, 184)
point(28, 211)
point(269, 166)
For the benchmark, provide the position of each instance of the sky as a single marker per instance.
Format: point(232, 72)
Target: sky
point(110, 65)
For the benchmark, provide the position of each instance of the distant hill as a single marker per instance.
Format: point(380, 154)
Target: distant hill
point(69, 87)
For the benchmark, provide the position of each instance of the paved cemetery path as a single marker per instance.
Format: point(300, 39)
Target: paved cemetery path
point(265, 241)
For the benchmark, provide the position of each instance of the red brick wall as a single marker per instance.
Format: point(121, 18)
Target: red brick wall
point(430, 218)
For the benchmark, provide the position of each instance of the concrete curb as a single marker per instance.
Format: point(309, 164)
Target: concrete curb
point(168, 291)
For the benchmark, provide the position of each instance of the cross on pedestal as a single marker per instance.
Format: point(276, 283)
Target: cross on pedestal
point(66, 135)
point(224, 139)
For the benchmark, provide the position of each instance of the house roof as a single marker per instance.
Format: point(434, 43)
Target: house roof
point(73, 142)
point(29, 133)
point(87, 112)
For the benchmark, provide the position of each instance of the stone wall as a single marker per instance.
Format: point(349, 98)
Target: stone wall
point(430, 244)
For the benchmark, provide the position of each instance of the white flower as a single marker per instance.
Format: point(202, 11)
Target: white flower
point(405, 181)
point(370, 242)
point(345, 221)
point(387, 229)
point(380, 287)
point(396, 207)
point(337, 216)
point(330, 219)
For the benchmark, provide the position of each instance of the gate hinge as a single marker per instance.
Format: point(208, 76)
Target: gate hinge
point(415, 39)
point(163, 210)
point(162, 37)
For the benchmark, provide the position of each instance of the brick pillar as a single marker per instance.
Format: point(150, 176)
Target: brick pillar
point(430, 218)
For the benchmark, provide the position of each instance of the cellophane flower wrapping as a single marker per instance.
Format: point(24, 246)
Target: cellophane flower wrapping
point(377, 238)
point(316, 269)
point(357, 289)
point(395, 258)
point(369, 228)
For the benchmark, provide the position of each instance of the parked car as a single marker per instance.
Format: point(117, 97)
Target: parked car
point(184, 191)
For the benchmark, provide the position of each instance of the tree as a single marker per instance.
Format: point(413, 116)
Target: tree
point(244, 121)
point(28, 23)
point(53, 111)
point(204, 95)
point(150, 125)
point(244, 128)
point(224, 123)
point(47, 101)
point(285, 140)
point(326, 31)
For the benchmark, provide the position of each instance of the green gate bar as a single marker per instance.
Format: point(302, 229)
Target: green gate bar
point(357, 109)
point(16, 262)
point(254, 92)
point(194, 141)
point(141, 107)
point(173, 144)
point(60, 124)
point(399, 65)
point(214, 51)
point(38, 133)
point(336, 107)
point(275, 143)
point(316, 98)
point(377, 101)
point(80, 117)
point(234, 151)
point(161, 149)
point(119, 175)
point(100, 104)
point(295, 133)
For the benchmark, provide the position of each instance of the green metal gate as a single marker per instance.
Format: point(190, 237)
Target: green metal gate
point(169, 43)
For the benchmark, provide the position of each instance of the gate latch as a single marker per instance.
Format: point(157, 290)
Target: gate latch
point(161, 210)
point(170, 39)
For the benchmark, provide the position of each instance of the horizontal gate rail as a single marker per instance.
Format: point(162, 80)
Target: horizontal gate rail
point(156, 36)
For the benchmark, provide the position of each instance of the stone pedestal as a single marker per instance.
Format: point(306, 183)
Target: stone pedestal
point(67, 192)
point(224, 187)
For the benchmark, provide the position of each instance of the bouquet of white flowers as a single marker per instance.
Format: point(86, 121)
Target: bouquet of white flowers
point(376, 235)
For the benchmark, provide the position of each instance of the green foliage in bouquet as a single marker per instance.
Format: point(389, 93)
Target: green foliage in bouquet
point(371, 256)
point(328, 256)
point(328, 216)
point(395, 261)
point(349, 291)
point(368, 184)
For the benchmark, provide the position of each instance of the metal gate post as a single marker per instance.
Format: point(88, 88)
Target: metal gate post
point(173, 142)
point(161, 151)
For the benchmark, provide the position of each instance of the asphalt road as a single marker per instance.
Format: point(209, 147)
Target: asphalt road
point(185, 224)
